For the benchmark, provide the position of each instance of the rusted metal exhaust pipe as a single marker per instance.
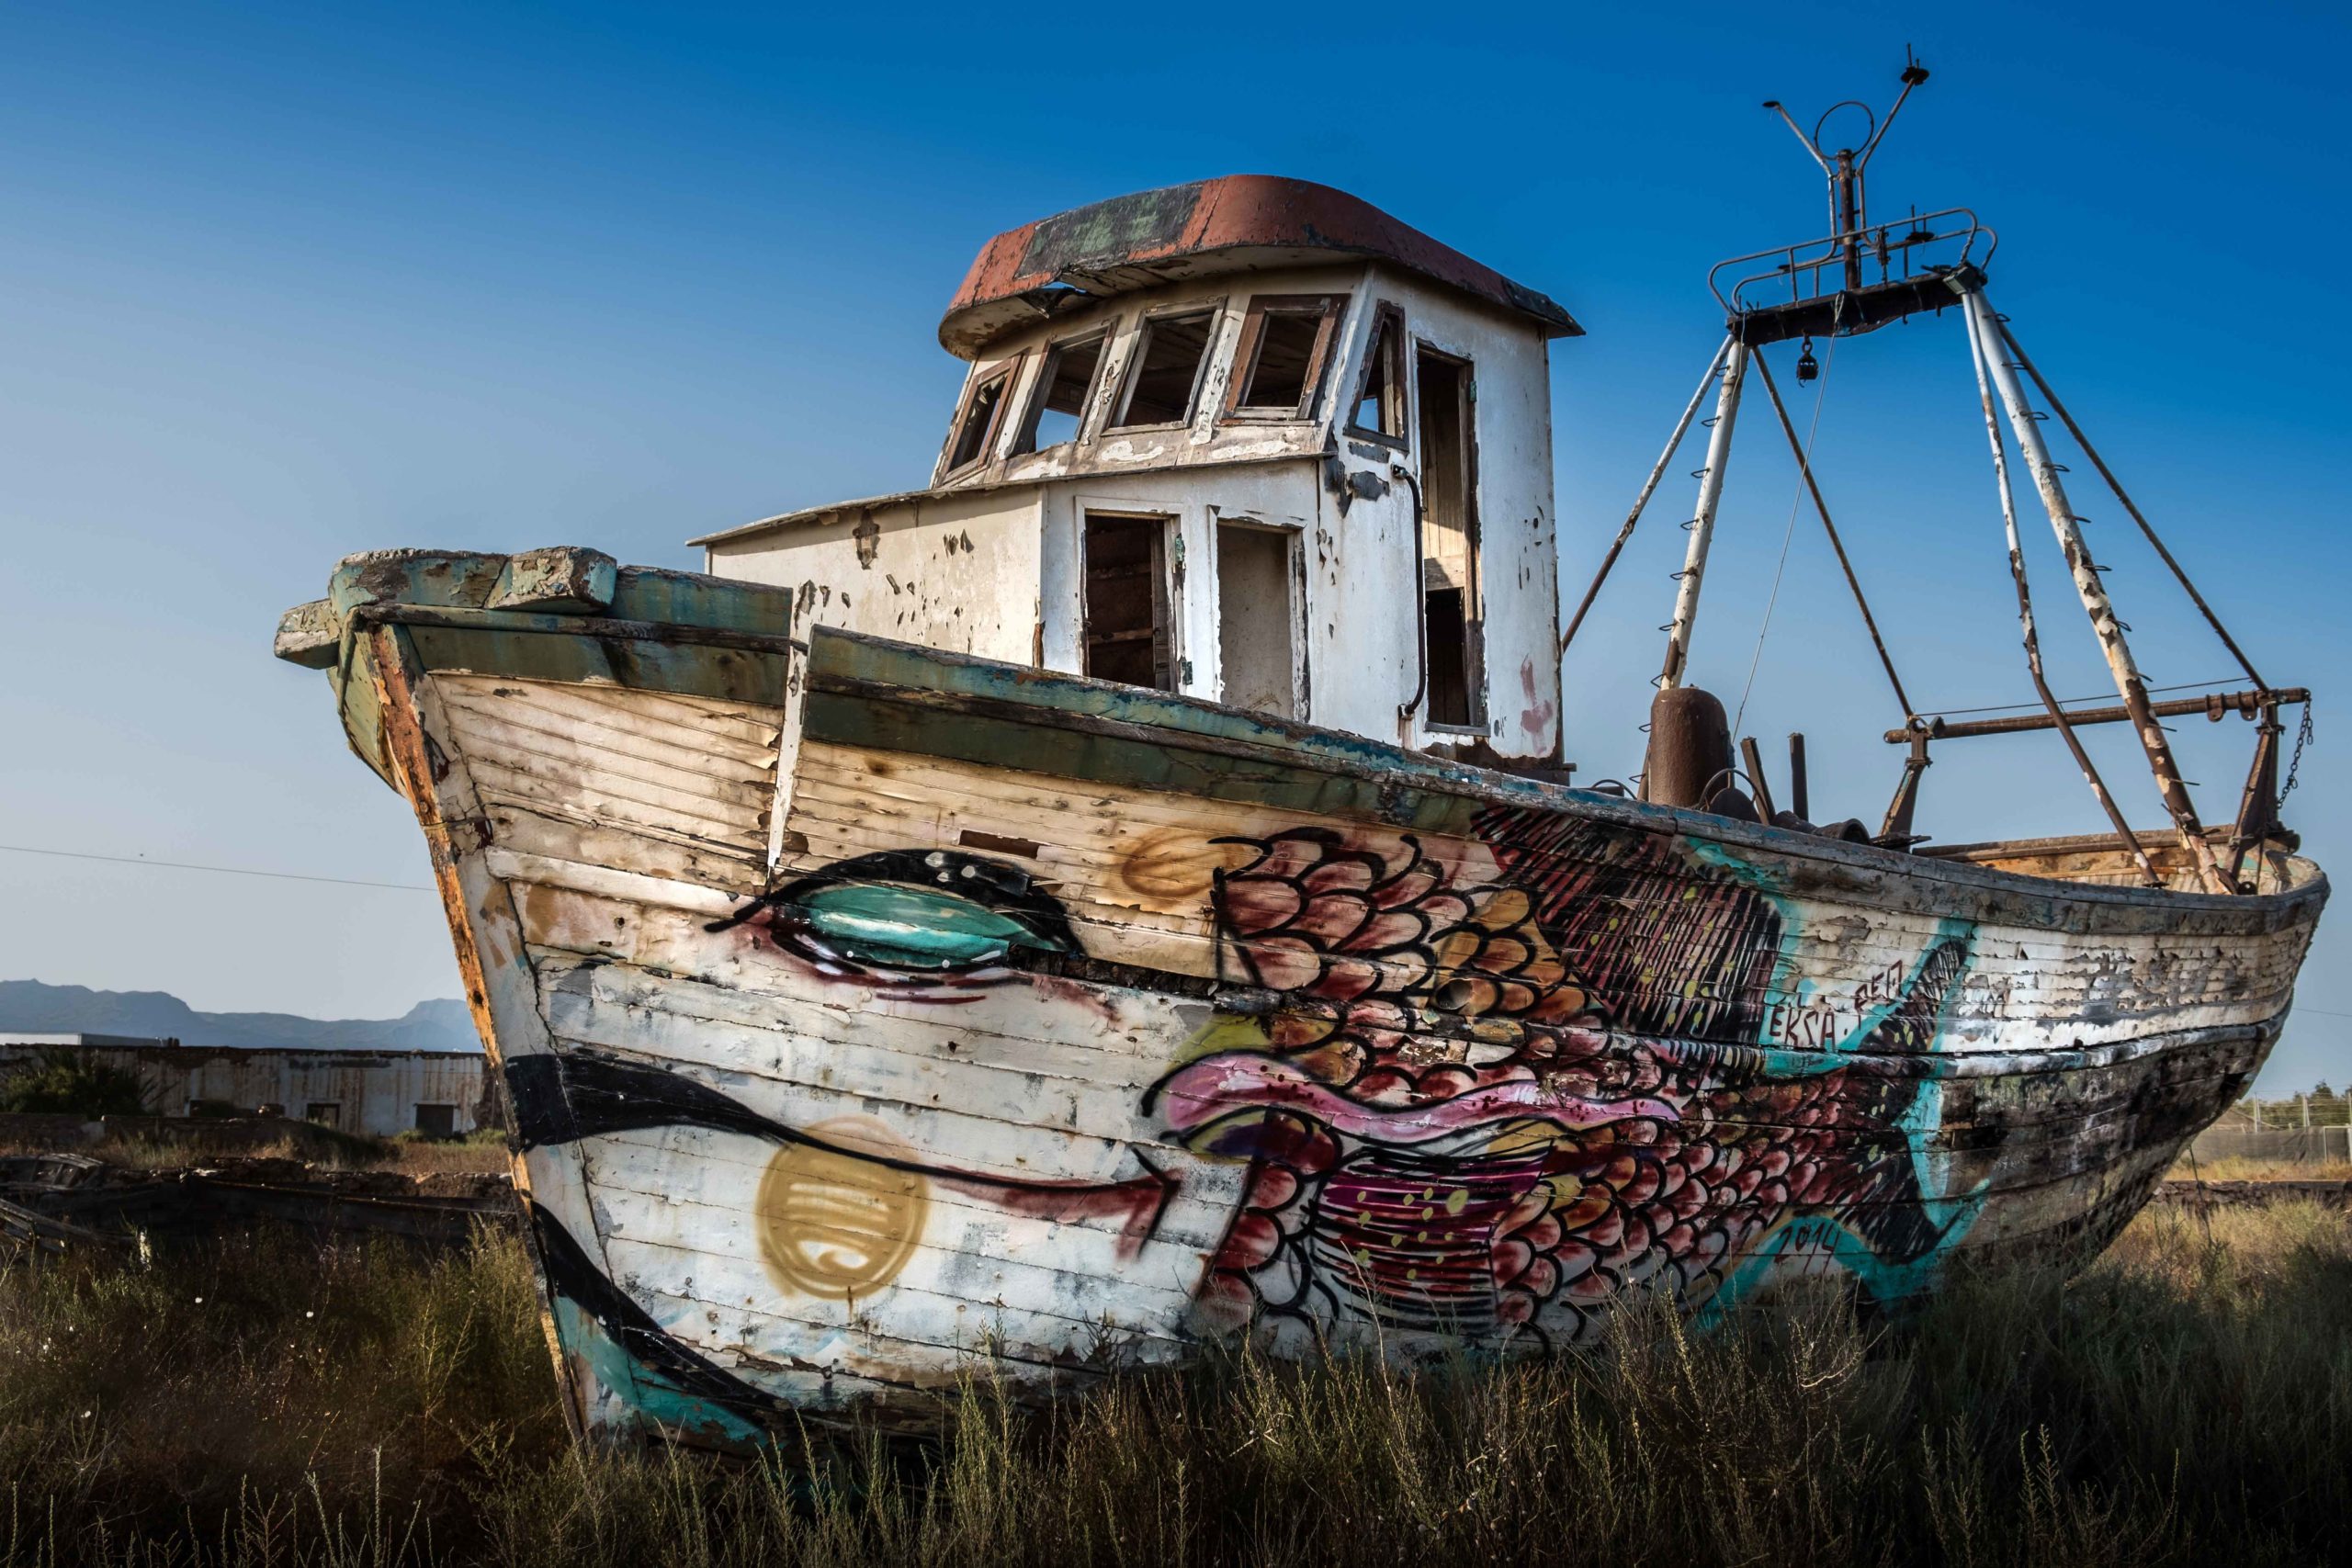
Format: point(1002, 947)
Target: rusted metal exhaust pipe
point(1690, 749)
point(1753, 755)
point(1800, 796)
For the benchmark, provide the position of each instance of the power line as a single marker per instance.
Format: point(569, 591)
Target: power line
point(220, 870)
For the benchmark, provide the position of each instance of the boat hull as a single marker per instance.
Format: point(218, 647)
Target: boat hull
point(872, 1016)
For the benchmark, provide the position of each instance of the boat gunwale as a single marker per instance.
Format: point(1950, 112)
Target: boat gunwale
point(1380, 762)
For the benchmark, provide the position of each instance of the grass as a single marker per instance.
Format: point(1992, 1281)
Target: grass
point(190, 1144)
point(2236, 1167)
point(260, 1401)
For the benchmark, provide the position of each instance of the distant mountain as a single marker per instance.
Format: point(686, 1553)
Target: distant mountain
point(33, 1008)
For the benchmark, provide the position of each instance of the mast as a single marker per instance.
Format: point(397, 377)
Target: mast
point(1703, 527)
point(1847, 209)
point(2059, 719)
point(1857, 279)
point(2026, 425)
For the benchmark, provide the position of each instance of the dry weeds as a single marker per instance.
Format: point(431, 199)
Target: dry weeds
point(264, 1402)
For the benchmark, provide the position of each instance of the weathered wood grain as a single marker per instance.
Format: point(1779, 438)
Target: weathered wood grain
point(975, 1018)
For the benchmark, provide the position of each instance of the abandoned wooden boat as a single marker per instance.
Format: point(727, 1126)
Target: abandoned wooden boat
point(1127, 894)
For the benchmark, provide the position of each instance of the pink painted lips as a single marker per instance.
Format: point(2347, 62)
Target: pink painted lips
point(1217, 1085)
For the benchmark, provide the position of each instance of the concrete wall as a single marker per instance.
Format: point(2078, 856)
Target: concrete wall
point(374, 1093)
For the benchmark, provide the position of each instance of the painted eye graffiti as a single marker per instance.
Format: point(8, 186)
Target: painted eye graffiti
point(912, 916)
point(902, 927)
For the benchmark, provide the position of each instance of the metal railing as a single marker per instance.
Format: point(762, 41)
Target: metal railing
point(2284, 1146)
point(1886, 253)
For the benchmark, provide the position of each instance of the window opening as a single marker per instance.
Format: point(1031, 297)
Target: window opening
point(1451, 606)
point(1126, 631)
point(1064, 385)
point(1168, 370)
point(1279, 360)
point(326, 1112)
point(436, 1121)
point(974, 432)
point(1380, 400)
point(1256, 620)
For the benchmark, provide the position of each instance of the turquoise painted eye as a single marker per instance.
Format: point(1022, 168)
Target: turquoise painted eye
point(909, 928)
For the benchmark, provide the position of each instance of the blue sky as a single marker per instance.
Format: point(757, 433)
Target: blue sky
point(281, 283)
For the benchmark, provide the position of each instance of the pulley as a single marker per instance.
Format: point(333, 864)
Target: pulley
point(1808, 368)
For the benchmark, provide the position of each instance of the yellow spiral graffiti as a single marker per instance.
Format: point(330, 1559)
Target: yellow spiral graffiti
point(834, 1224)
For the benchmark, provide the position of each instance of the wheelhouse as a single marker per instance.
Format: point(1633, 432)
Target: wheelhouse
point(1248, 439)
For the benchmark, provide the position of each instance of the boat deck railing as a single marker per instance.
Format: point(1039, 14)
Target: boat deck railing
point(1880, 272)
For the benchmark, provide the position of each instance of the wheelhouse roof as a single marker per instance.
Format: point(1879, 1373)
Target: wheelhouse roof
point(1237, 223)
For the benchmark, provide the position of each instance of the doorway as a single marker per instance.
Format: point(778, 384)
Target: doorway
point(1453, 621)
point(1126, 632)
point(1256, 620)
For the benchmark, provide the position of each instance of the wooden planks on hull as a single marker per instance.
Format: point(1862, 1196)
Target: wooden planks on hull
point(1133, 867)
point(980, 1055)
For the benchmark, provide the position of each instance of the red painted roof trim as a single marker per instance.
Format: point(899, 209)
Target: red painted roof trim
point(1240, 222)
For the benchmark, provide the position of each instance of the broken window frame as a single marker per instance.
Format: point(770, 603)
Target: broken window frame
point(1387, 338)
point(1025, 444)
point(1475, 672)
point(1131, 373)
point(1328, 309)
point(1007, 376)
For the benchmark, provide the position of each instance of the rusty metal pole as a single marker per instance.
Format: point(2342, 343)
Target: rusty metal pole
point(1981, 351)
point(1703, 526)
point(2180, 572)
point(1849, 216)
point(2129, 684)
point(1641, 501)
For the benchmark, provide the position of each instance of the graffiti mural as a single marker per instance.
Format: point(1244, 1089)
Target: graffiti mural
point(1501, 1081)
point(1490, 1102)
point(872, 1018)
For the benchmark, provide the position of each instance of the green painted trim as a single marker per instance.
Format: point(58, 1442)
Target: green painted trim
point(837, 657)
point(559, 652)
point(1044, 748)
point(462, 579)
point(661, 1407)
point(690, 599)
point(362, 711)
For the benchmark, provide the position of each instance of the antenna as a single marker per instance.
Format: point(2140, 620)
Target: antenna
point(1848, 214)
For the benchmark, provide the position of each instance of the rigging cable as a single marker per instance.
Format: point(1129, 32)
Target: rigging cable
point(1796, 499)
point(2095, 697)
point(2179, 572)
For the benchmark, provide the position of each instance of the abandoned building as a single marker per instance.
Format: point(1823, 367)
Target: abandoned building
point(378, 1093)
